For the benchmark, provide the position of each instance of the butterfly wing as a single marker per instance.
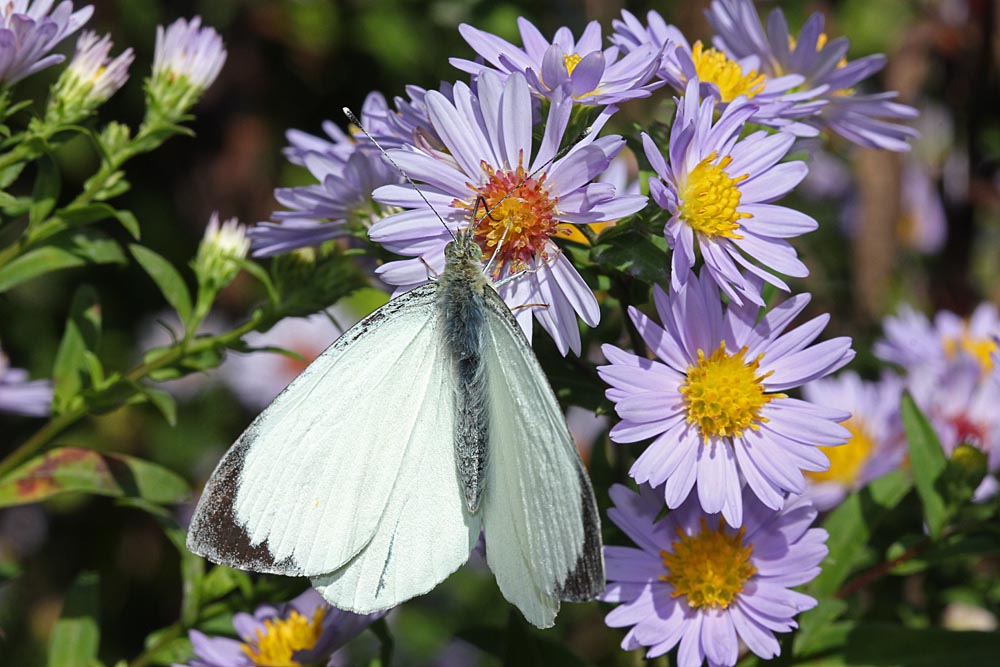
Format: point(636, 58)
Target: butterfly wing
point(543, 534)
point(329, 465)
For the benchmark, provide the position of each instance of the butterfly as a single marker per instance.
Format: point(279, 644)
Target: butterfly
point(375, 471)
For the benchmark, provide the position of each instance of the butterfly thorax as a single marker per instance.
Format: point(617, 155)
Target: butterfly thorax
point(462, 293)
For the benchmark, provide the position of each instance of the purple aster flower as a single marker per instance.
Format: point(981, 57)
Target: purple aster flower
point(698, 583)
point(718, 189)
point(492, 158)
point(714, 400)
point(93, 75)
point(21, 396)
point(185, 49)
point(780, 101)
point(867, 120)
point(304, 631)
point(913, 342)
point(961, 405)
point(29, 30)
point(588, 74)
point(876, 447)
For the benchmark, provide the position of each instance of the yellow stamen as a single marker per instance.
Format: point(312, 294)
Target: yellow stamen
point(847, 460)
point(710, 197)
point(710, 567)
point(282, 637)
point(724, 394)
point(714, 67)
point(980, 349)
point(571, 60)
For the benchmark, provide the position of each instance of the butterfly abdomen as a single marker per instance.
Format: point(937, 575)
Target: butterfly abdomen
point(464, 312)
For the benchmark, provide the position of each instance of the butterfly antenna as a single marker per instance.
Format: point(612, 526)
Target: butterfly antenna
point(355, 121)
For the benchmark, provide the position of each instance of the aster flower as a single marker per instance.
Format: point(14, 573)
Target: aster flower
point(913, 342)
point(21, 396)
point(876, 446)
point(718, 189)
point(186, 61)
point(91, 78)
point(714, 401)
point(961, 406)
point(304, 631)
point(780, 101)
point(223, 246)
point(29, 30)
point(695, 582)
point(492, 158)
point(871, 120)
point(588, 74)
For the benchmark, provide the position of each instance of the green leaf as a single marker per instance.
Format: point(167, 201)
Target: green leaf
point(221, 580)
point(47, 185)
point(522, 648)
point(76, 636)
point(631, 249)
point(898, 646)
point(73, 469)
point(83, 333)
point(817, 630)
point(167, 278)
point(163, 402)
point(851, 525)
point(64, 251)
point(89, 213)
point(927, 461)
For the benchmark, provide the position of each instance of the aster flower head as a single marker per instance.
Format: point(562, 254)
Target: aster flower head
point(186, 61)
point(696, 582)
point(876, 447)
point(222, 248)
point(914, 342)
point(91, 78)
point(780, 101)
point(713, 399)
point(589, 75)
point(530, 193)
point(961, 406)
point(718, 189)
point(304, 631)
point(21, 396)
point(29, 30)
point(872, 120)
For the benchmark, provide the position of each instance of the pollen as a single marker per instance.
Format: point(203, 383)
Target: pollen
point(275, 645)
point(847, 461)
point(518, 216)
point(715, 67)
point(710, 197)
point(724, 393)
point(710, 567)
point(980, 349)
point(571, 60)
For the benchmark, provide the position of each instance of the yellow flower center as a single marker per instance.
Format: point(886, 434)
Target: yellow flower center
point(710, 197)
point(708, 568)
point(715, 67)
point(847, 460)
point(980, 349)
point(282, 637)
point(521, 217)
point(571, 60)
point(724, 394)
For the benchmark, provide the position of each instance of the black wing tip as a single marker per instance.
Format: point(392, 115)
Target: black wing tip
point(586, 580)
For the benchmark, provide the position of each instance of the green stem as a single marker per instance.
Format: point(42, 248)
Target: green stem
point(38, 442)
point(381, 630)
point(167, 636)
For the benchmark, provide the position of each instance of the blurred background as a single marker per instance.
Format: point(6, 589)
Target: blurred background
point(922, 228)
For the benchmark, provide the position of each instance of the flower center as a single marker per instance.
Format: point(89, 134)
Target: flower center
point(724, 394)
point(282, 637)
point(521, 217)
point(980, 349)
point(847, 460)
point(708, 568)
point(710, 198)
point(713, 66)
point(572, 60)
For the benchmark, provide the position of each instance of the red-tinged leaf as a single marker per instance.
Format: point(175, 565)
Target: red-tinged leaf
point(72, 469)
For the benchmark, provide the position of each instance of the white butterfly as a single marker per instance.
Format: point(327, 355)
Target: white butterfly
point(375, 471)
